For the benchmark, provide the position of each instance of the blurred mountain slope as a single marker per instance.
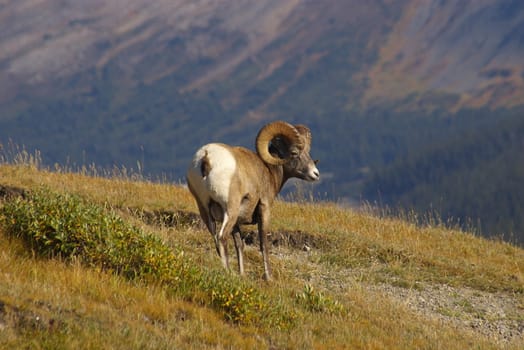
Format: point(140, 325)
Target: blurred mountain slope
point(143, 84)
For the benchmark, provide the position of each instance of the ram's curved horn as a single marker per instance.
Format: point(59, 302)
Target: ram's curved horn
point(270, 133)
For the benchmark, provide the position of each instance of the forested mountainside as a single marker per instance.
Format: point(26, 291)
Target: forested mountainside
point(473, 178)
point(142, 84)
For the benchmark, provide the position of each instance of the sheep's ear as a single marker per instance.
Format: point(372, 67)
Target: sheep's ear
point(306, 135)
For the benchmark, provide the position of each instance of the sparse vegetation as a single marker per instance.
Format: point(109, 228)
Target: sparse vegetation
point(93, 262)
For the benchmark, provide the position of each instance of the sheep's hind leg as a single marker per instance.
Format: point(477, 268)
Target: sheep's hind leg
point(239, 246)
point(221, 239)
point(221, 243)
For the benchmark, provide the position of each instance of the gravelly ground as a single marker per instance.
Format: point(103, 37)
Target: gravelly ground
point(499, 316)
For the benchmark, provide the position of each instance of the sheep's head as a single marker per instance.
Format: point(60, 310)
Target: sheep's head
point(280, 143)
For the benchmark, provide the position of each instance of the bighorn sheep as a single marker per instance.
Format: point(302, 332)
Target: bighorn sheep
point(237, 186)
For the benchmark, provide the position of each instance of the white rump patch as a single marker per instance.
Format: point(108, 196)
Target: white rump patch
point(216, 184)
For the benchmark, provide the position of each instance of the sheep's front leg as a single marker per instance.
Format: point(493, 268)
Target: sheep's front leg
point(263, 224)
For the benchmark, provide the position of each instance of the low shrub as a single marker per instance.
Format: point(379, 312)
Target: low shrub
point(69, 227)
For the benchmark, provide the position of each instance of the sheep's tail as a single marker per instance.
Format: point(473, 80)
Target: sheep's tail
point(205, 166)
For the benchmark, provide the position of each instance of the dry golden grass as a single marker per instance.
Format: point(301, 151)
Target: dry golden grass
point(439, 254)
point(48, 303)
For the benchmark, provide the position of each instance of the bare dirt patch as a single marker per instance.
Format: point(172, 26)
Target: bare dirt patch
point(10, 192)
point(167, 218)
point(22, 319)
point(297, 239)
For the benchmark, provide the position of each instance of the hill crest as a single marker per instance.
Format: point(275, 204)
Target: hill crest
point(362, 272)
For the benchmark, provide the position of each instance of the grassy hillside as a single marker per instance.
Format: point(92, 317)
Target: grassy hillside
point(92, 262)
